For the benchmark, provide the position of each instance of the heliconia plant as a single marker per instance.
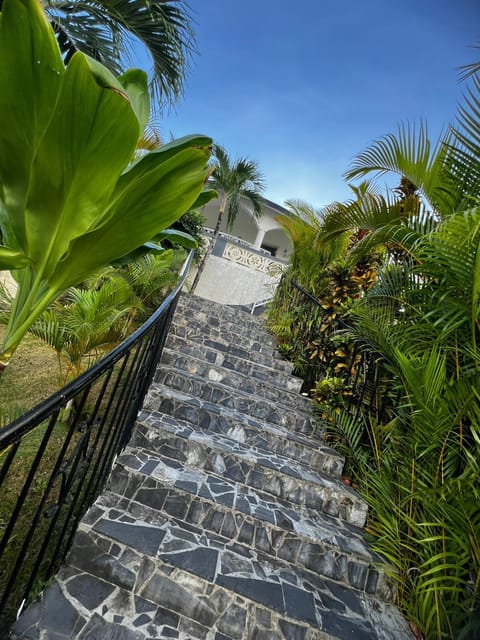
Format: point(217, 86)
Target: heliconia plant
point(71, 199)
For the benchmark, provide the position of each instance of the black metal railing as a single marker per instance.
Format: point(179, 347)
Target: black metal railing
point(368, 383)
point(55, 459)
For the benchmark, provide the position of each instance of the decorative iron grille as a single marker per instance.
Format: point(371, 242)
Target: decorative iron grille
point(55, 459)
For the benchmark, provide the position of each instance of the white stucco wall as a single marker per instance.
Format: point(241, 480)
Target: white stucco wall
point(246, 228)
point(231, 283)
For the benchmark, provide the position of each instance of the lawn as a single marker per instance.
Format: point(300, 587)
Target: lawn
point(31, 376)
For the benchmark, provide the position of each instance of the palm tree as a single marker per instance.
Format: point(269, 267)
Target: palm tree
point(234, 179)
point(108, 30)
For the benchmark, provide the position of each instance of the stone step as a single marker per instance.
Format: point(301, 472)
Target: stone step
point(119, 564)
point(232, 350)
point(154, 427)
point(276, 412)
point(216, 326)
point(270, 389)
point(264, 436)
point(274, 476)
point(265, 369)
point(188, 303)
point(213, 417)
point(328, 546)
point(227, 341)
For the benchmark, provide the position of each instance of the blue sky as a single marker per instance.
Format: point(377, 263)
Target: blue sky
point(301, 87)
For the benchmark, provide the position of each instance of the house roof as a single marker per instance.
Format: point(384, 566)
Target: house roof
point(276, 206)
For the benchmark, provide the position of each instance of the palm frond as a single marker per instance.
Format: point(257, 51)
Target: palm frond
point(107, 30)
point(237, 179)
point(469, 70)
point(462, 159)
point(410, 153)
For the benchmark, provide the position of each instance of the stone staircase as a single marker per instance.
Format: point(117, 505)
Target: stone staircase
point(226, 517)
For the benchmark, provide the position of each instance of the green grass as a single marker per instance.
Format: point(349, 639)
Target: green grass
point(31, 376)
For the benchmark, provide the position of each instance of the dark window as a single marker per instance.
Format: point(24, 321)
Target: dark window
point(272, 250)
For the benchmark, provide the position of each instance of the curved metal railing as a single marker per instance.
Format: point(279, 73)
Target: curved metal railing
point(365, 373)
point(55, 459)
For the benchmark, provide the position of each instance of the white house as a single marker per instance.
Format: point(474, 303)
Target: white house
point(247, 260)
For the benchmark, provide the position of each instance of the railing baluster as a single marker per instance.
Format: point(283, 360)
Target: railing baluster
point(115, 386)
point(370, 383)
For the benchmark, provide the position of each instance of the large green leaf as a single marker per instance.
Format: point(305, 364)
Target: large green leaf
point(135, 83)
point(31, 71)
point(69, 200)
point(12, 259)
point(90, 139)
point(145, 206)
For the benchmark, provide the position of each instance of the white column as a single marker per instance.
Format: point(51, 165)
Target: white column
point(259, 239)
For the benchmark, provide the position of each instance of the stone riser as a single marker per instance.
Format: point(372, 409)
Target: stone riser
point(229, 342)
point(156, 430)
point(306, 489)
point(172, 604)
point(212, 417)
point(214, 327)
point(233, 399)
point(188, 304)
point(322, 548)
point(261, 368)
point(269, 439)
point(202, 576)
point(266, 389)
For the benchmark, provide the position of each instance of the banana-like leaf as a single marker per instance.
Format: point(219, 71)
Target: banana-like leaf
point(69, 200)
point(135, 83)
point(11, 259)
point(146, 205)
point(31, 71)
point(91, 138)
point(204, 197)
point(178, 237)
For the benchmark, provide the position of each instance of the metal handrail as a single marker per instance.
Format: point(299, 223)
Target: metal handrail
point(23, 424)
point(73, 438)
point(370, 370)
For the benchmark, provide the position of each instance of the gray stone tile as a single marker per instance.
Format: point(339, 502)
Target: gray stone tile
point(224, 518)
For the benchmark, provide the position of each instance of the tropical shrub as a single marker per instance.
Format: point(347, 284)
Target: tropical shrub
point(419, 323)
point(192, 223)
point(152, 276)
point(308, 323)
point(70, 200)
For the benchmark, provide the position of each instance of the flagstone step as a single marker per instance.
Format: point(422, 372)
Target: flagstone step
point(188, 303)
point(170, 603)
point(262, 368)
point(269, 388)
point(228, 342)
point(270, 439)
point(304, 488)
point(203, 576)
point(224, 518)
point(222, 395)
point(213, 417)
point(216, 326)
point(125, 616)
point(328, 546)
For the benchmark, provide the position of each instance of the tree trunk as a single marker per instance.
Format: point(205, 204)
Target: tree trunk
point(208, 252)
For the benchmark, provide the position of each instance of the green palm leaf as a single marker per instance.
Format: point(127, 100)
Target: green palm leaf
point(107, 30)
point(410, 153)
